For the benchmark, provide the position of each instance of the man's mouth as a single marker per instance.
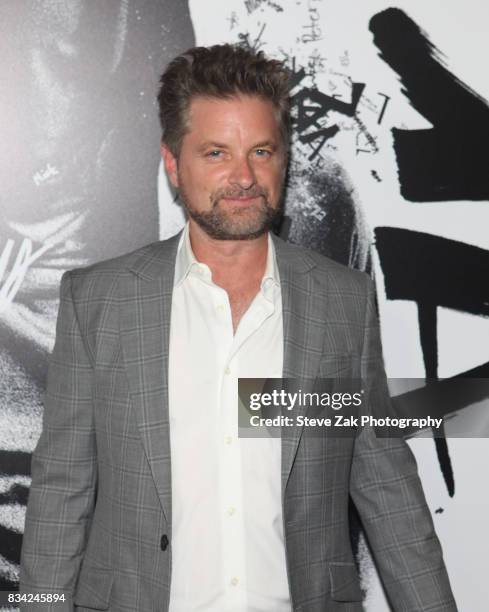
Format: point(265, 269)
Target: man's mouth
point(241, 200)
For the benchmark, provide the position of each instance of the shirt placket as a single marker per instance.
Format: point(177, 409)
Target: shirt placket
point(231, 484)
point(234, 535)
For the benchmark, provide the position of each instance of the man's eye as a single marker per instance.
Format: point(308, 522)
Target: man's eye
point(214, 153)
point(262, 152)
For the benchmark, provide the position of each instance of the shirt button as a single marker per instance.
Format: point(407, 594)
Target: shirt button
point(227, 371)
point(228, 439)
point(220, 307)
point(231, 510)
point(234, 581)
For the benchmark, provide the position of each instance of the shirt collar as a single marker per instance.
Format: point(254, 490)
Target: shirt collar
point(185, 263)
point(271, 277)
point(185, 259)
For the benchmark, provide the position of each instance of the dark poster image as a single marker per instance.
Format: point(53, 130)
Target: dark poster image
point(78, 166)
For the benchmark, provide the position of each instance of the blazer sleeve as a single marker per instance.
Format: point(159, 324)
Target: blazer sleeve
point(64, 469)
point(388, 495)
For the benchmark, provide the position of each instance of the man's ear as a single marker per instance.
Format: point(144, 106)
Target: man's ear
point(171, 164)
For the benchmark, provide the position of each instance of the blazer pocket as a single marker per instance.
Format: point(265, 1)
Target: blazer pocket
point(93, 588)
point(345, 583)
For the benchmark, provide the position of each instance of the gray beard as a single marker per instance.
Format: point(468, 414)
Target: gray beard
point(234, 224)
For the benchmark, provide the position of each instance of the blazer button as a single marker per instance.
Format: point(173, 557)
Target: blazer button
point(164, 542)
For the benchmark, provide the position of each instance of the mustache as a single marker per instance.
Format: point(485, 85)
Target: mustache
point(236, 193)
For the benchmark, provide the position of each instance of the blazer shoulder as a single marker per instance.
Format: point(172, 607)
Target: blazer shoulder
point(114, 265)
point(101, 278)
point(323, 268)
point(342, 275)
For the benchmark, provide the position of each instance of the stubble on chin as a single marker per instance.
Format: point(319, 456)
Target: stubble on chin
point(227, 222)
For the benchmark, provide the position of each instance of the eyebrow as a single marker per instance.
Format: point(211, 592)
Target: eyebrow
point(219, 145)
point(266, 143)
point(212, 144)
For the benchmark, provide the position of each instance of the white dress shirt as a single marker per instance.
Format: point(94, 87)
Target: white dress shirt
point(228, 552)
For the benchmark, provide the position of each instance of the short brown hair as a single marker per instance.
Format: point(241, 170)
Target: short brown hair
point(220, 71)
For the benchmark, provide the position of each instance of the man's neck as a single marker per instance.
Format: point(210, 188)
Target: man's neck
point(234, 264)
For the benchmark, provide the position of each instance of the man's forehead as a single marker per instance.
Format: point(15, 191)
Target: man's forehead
point(207, 114)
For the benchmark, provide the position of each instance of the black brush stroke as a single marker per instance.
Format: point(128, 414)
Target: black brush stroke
point(433, 271)
point(449, 160)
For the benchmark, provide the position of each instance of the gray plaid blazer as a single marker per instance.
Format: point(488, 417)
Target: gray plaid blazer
point(98, 525)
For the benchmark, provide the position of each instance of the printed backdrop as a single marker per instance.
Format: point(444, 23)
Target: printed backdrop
point(388, 175)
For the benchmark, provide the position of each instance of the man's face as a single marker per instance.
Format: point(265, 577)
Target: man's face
point(231, 166)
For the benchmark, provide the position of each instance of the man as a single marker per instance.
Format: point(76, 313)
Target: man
point(143, 498)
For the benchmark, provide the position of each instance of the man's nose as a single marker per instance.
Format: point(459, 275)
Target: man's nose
point(242, 173)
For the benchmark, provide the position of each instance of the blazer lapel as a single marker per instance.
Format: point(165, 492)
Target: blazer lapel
point(145, 331)
point(303, 322)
